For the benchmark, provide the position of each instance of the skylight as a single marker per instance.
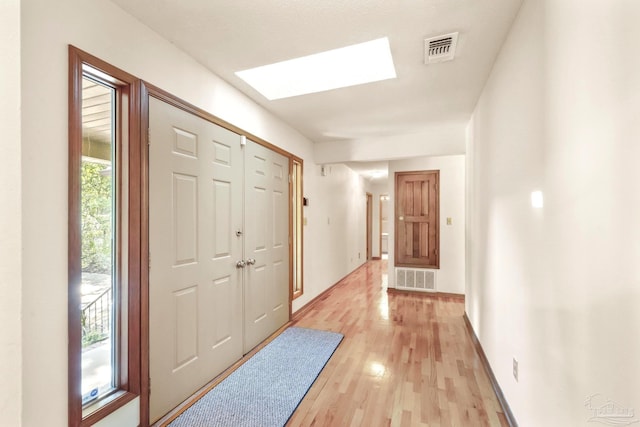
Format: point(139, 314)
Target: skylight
point(347, 66)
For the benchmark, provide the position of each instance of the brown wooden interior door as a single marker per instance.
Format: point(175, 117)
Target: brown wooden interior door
point(416, 219)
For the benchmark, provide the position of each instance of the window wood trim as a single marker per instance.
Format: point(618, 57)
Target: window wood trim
point(129, 375)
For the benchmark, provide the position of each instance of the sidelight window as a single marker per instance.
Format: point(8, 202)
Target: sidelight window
point(297, 225)
point(103, 298)
point(99, 242)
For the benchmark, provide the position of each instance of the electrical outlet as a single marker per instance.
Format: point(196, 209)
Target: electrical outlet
point(515, 369)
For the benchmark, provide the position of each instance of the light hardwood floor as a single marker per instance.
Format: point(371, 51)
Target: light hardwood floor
point(406, 360)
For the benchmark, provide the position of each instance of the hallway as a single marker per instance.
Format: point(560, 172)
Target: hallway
point(406, 360)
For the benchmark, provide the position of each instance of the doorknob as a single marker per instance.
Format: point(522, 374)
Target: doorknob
point(251, 261)
point(240, 264)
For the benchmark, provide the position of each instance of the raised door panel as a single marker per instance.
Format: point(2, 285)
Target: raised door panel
point(185, 218)
point(186, 327)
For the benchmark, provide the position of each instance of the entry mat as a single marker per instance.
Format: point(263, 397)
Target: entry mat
point(265, 390)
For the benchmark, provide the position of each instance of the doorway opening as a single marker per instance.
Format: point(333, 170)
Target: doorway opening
point(369, 224)
point(384, 226)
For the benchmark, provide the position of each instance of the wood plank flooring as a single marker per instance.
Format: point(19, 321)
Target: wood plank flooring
point(406, 360)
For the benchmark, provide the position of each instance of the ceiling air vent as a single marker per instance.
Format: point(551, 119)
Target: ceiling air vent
point(440, 48)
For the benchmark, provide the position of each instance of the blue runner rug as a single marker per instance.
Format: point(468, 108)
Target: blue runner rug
point(266, 389)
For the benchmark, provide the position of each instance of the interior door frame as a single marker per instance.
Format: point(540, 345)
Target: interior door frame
point(369, 226)
point(147, 90)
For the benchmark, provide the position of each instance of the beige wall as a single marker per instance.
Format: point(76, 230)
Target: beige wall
point(10, 221)
point(559, 287)
point(336, 211)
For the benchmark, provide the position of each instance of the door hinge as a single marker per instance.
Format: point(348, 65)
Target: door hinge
point(148, 136)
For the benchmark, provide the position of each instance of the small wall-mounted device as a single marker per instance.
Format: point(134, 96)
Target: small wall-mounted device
point(305, 201)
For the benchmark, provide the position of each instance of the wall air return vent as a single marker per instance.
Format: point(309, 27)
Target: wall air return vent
point(440, 48)
point(416, 279)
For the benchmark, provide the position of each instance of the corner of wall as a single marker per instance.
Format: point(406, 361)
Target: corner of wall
point(469, 213)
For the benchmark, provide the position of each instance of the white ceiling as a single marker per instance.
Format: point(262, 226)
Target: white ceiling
point(96, 112)
point(232, 35)
point(374, 172)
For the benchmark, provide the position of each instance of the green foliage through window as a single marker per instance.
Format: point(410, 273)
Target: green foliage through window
point(97, 208)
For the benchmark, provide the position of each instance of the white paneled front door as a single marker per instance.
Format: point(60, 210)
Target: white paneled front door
point(266, 306)
point(212, 203)
point(195, 295)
